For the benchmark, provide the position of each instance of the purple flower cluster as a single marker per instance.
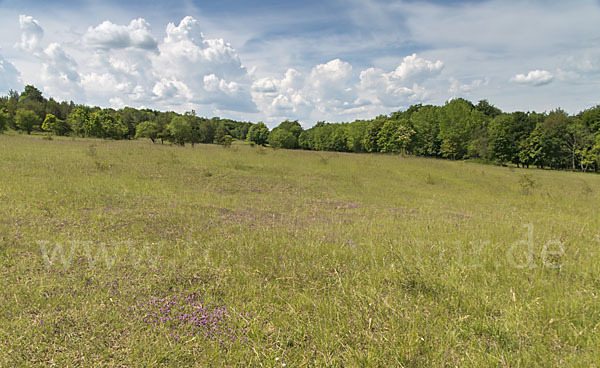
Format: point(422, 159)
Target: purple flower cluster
point(186, 315)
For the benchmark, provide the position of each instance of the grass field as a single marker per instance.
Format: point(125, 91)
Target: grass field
point(125, 253)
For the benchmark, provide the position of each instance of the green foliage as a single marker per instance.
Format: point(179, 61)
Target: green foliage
point(112, 125)
point(394, 136)
point(180, 130)
point(455, 128)
point(220, 133)
point(282, 138)
point(286, 135)
point(56, 126)
point(27, 120)
point(3, 120)
point(226, 141)
point(148, 129)
point(259, 134)
point(78, 120)
point(487, 109)
point(426, 123)
point(372, 134)
point(458, 130)
point(92, 126)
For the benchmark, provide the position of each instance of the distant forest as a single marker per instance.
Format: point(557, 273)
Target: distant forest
point(457, 130)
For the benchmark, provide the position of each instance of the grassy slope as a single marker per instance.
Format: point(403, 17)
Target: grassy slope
point(339, 259)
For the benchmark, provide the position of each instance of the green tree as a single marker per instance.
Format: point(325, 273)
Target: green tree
point(148, 129)
point(577, 138)
point(56, 126)
point(92, 126)
point(180, 130)
point(285, 135)
point(26, 120)
point(78, 118)
point(339, 139)
point(293, 127)
point(282, 138)
point(487, 109)
point(3, 120)
point(395, 136)
point(426, 123)
point(356, 133)
point(372, 133)
point(220, 133)
point(259, 134)
point(455, 128)
point(31, 99)
point(502, 143)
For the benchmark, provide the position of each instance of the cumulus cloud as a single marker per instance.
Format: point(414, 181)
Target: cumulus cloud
point(534, 78)
point(334, 91)
point(31, 34)
point(59, 73)
point(108, 35)
point(9, 76)
point(457, 87)
point(402, 85)
point(414, 67)
point(211, 68)
point(328, 89)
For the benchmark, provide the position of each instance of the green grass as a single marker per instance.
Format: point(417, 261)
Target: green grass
point(326, 259)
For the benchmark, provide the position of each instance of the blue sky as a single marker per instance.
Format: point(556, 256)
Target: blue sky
point(309, 60)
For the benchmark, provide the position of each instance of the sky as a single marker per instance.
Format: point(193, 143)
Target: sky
point(310, 60)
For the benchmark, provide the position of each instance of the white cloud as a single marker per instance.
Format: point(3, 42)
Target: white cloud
point(59, 73)
point(9, 76)
point(457, 87)
point(31, 34)
point(402, 85)
point(108, 35)
point(333, 92)
point(534, 78)
point(210, 68)
point(413, 67)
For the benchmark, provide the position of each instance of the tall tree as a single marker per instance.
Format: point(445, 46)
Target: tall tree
point(26, 120)
point(3, 120)
point(259, 134)
point(180, 130)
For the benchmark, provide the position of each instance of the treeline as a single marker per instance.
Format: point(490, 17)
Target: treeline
point(457, 130)
point(30, 111)
point(460, 130)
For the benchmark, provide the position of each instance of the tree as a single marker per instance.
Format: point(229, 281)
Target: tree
point(458, 121)
point(577, 138)
point(426, 123)
point(487, 109)
point(356, 133)
point(259, 134)
point(32, 99)
point(56, 126)
point(502, 143)
point(77, 120)
point(372, 133)
point(148, 129)
point(180, 130)
point(293, 127)
point(3, 120)
point(282, 138)
point(286, 135)
point(220, 133)
point(112, 125)
point(26, 120)
point(339, 138)
point(394, 136)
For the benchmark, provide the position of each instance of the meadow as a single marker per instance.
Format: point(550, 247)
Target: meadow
point(128, 253)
